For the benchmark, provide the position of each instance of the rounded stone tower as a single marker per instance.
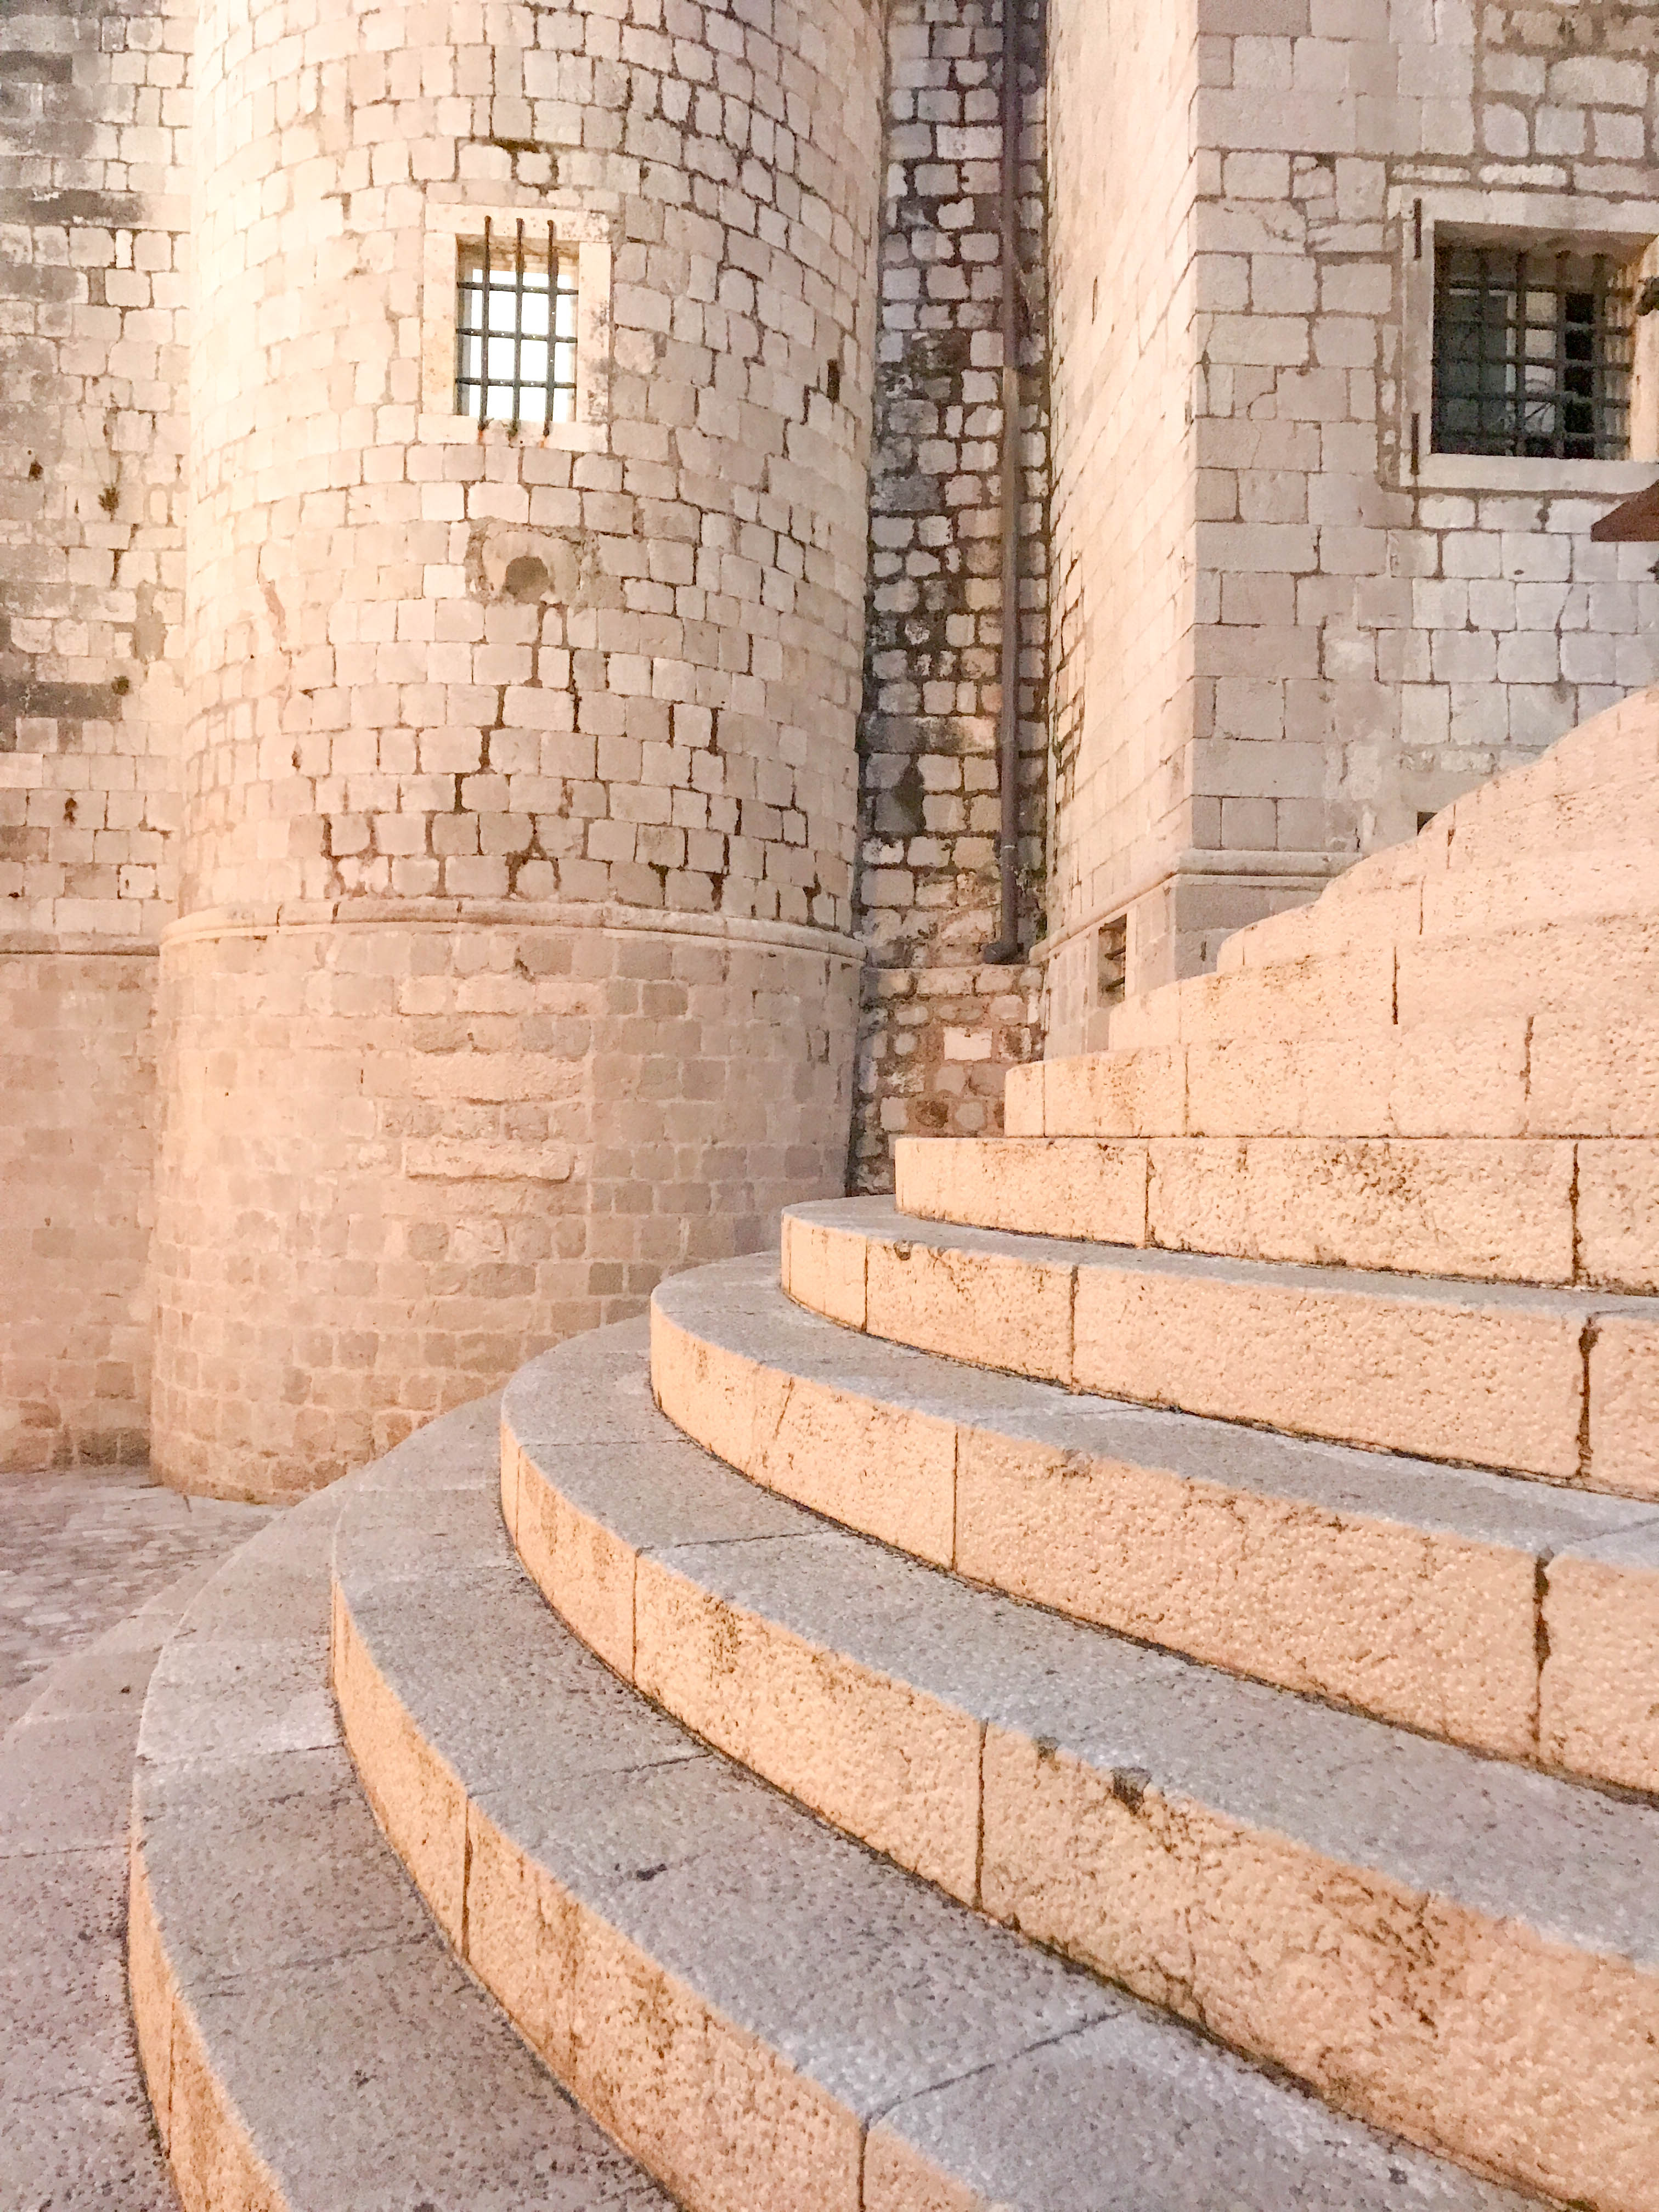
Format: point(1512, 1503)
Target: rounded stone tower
point(530, 405)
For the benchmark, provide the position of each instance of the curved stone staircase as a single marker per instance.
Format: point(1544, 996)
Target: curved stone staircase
point(1128, 1678)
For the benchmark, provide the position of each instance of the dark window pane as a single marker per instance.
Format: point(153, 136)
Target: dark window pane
point(1532, 353)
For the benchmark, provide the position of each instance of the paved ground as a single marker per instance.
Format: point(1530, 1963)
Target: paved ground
point(94, 1569)
point(80, 1551)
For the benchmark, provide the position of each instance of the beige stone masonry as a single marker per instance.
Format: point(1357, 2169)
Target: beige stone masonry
point(1568, 842)
point(1506, 1380)
point(1430, 1628)
point(1081, 1187)
point(723, 2122)
point(1542, 969)
point(1387, 2000)
point(447, 1139)
point(1546, 1074)
point(1388, 1369)
point(77, 1138)
point(1487, 1210)
point(1598, 1708)
point(214, 2165)
point(891, 1472)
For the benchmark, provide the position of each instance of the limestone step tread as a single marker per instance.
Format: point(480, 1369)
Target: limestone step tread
point(1408, 1588)
point(1542, 963)
point(1557, 1383)
point(1547, 1075)
point(766, 2013)
point(1549, 1210)
point(310, 2044)
point(75, 2123)
point(1285, 1874)
point(1594, 788)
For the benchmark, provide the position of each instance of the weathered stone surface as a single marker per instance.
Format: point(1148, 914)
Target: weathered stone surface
point(1549, 1383)
point(308, 2040)
point(74, 2120)
point(1494, 1210)
point(1402, 1587)
point(743, 1994)
point(1178, 1829)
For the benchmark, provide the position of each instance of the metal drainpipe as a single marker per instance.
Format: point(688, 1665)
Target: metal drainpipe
point(1005, 950)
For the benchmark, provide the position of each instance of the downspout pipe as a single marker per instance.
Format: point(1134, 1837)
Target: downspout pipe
point(1004, 950)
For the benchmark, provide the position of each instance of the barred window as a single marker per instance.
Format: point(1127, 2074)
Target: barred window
point(1112, 961)
point(515, 329)
point(1532, 352)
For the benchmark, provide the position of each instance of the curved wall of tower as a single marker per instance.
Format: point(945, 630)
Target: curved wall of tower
point(519, 779)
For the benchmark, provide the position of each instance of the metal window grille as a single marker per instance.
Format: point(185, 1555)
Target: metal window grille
point(1112, 961)
point(515, 331)
point(1532, 353)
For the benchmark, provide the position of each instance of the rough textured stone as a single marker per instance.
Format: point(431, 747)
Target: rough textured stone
point(1177, 1829)
point(73, 2115)
point(308, 2040)
point(1549, 1383)
point(684, 1915)
point(1405, 1588)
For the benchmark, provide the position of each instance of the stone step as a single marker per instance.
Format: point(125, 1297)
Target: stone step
point(1597, 787)
point(1545, 1075)
point(1439, 889)
point(1561, 1384)
point(1546, 861)
point(309, 2042)
point(75, 2123)
point(1461, 1950)
point(767, 2014)
point(1485, 1209)
point(1515, 1617)
point(1391, 978)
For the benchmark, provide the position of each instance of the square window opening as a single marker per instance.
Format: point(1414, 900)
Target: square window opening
point(515, 328)
point(1112, 961)
point(1533, 352)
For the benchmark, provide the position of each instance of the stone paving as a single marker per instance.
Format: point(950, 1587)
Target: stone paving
point(95, 1568)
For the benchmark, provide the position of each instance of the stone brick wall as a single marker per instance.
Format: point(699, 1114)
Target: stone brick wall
point(1345, 644)
point(669, 721)
point(939, 1027)
point(76, 1157)
point(94, 196)
point(1121, 258)
point(95, 193)
point(509, 1129)
point(460, 696)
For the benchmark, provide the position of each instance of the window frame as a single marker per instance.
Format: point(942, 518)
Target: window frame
point(451, 227)
point(1541, 223)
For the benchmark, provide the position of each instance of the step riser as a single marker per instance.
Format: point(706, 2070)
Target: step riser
point(724, 2124)
point(1563, 1215)
point(1001, 2072)
point(1595, 788)
point(1390, 895)
point(1550, 963)
point(1534, 1392)
point(214, 2166)
point(1270, 1588)
point(1388, 2002)
point(1281, 1952)
point(1523, 1076)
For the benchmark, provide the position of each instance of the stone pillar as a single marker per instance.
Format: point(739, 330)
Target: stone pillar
point(513, 968)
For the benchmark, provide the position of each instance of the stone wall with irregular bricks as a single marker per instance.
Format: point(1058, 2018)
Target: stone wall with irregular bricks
point(939, 1028)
